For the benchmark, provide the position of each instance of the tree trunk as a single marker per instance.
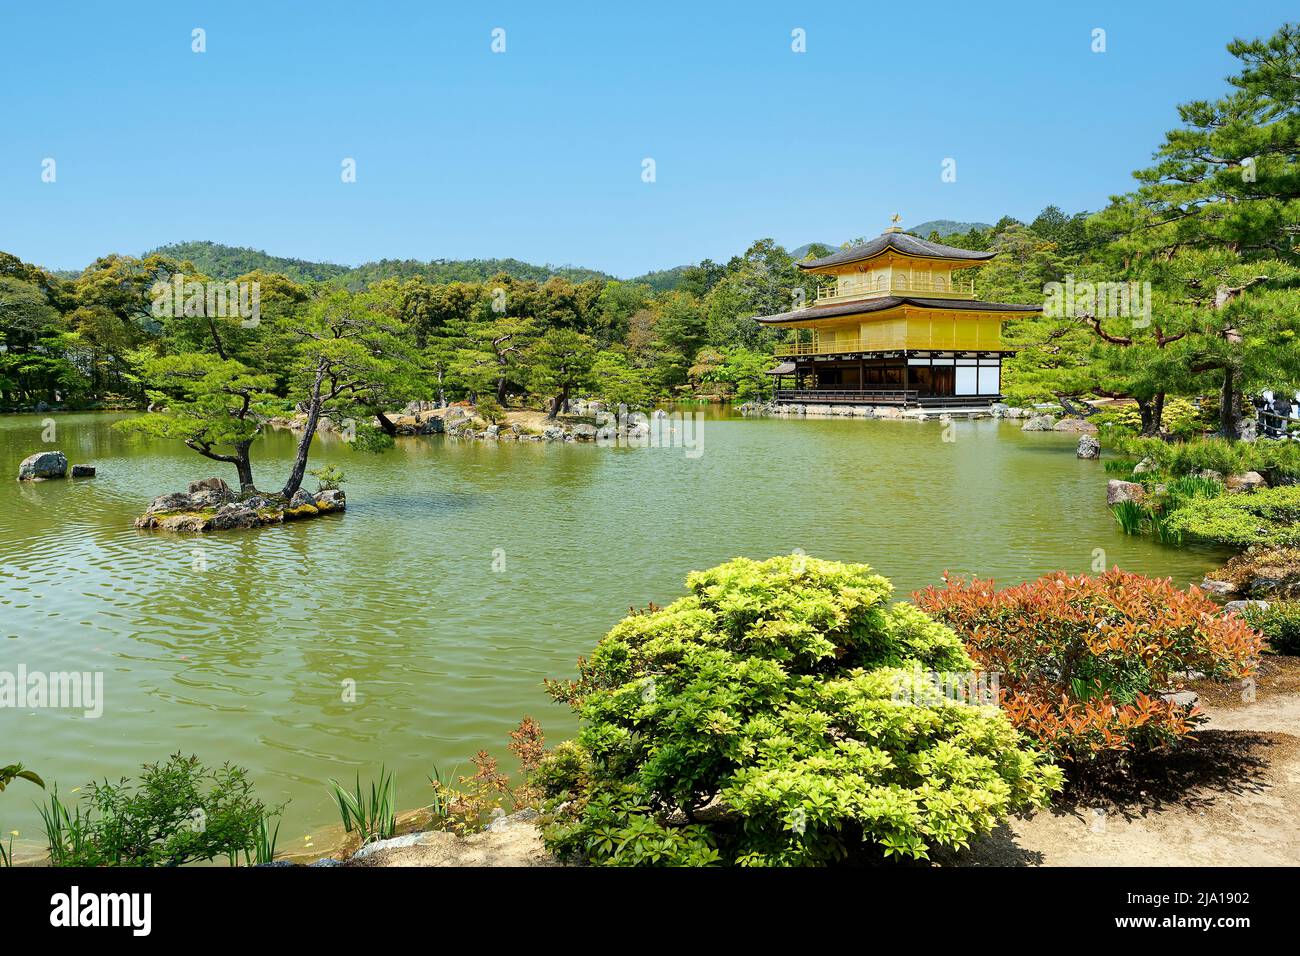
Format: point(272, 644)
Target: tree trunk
point(501, 391)
point(1152, 411)
point(1229, 417)
point(556, 404)
point(244, 467)
point(386, 424)
point(304, 443)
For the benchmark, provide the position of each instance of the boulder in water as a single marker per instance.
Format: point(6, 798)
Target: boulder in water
point(43, 466)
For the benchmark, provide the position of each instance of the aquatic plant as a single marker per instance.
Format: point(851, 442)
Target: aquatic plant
point(1179, 491)
point(373, 815)
point(775, 716)
point(1132, 516)
point(265, 839)
point(1085, 660)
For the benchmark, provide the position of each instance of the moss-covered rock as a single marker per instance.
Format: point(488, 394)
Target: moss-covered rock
point(180, 511)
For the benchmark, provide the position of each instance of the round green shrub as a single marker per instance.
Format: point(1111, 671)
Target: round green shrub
point(1279, 622)
point(774, 717)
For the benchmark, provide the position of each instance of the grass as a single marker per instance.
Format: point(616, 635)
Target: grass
point(1130, 516)
point(264, 844)
point(372, 815)
point(66, 833)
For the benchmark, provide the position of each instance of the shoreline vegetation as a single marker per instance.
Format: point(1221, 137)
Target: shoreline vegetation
point(1155, 711)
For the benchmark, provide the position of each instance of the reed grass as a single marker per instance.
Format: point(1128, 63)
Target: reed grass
point(373, 814)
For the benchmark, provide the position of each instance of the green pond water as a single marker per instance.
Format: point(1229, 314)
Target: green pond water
point(236, 646)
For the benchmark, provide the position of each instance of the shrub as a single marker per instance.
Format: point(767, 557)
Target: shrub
point(1269, 516)
point(1276, 460)
point(1181, 418)
point(760, 721)
point(1084, 660)
point(490, 410)
point(1279, 622)
point(179, 811)
point(328, 478)
point(467, 807)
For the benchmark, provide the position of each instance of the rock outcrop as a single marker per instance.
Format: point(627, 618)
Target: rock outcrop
point(1089, 448)
point(214, 507)
point(1118, 491)
point(1039, 423)
point(1246, 482)
point(43, 466)
point(512, 840)
point(1081, 425)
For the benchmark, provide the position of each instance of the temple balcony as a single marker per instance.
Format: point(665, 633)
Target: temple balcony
point(817, 347)
point(938, 287)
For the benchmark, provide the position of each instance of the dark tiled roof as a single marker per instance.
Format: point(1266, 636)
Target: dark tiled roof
point(899, 242)
point(863, 306)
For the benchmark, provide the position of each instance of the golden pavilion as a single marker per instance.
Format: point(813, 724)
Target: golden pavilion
point(896, 328)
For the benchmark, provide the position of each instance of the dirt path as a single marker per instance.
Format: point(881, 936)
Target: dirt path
point(1241, 808)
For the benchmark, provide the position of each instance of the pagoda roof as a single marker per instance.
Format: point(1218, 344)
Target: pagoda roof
point(893, 301)
point(899, 242)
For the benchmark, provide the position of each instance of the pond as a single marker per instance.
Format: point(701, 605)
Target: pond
point(461, 575)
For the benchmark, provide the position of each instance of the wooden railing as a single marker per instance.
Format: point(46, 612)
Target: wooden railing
point(898, 285)
point(877, 396)
point(817, 347)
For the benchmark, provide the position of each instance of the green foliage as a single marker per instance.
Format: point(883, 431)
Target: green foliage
point(1180, 491)
point(1132, 516)
point(1274, 459)
point(14, 771)
point(1181, 419)
point(490, 410)
point(1279, 622)
point(177, 812)
point(328, 478)
point(558, 363)
point(616, 381)
point(1269, 516)
point(765, 719)
point(373, 815)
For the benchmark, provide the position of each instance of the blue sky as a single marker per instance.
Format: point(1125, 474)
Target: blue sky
point(537, 152)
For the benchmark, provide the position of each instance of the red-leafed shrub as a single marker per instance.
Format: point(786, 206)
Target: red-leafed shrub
point(1083, 661)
